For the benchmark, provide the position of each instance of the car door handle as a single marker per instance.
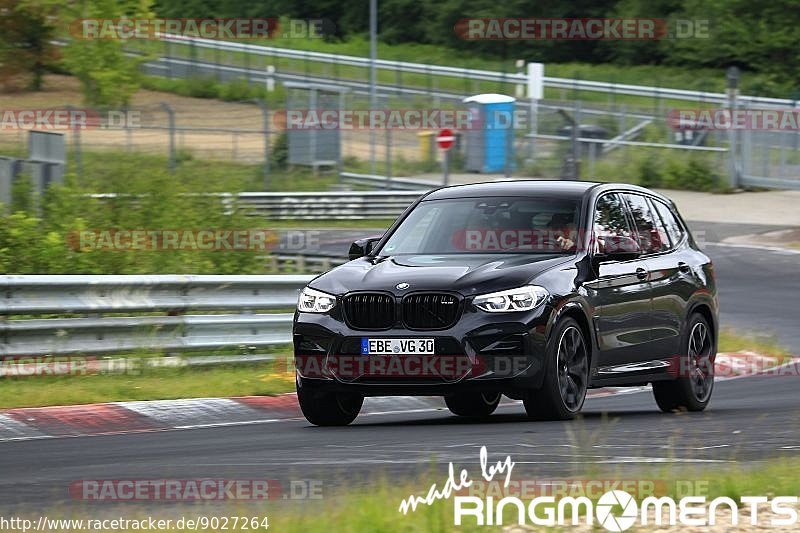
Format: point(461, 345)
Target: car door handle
point(683, 267)
point(641, 273)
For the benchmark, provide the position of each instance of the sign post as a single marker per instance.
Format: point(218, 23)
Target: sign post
point(444, 140)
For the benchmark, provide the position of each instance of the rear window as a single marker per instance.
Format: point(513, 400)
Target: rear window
point(670, 222)
point(652, 236)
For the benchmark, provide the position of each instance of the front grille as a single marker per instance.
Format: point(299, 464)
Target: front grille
point(430, 311)
point(369, 310)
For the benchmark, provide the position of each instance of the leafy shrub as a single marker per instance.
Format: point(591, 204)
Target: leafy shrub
point(279, 156)
point(202, 87)
point(48, 241)
point(650, 172)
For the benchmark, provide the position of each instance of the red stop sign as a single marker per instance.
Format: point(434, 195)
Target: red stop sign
point(445, 139)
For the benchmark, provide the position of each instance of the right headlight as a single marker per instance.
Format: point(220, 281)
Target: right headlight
point(314, 301)
point(521, 299)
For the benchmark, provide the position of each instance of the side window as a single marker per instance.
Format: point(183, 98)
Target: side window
point(610, 222)
point(652, 237)
point(671, 223)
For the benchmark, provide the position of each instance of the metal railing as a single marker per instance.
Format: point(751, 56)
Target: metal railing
point(322, 205)
point(327, 205)
point(163, 303)
point(474, 74)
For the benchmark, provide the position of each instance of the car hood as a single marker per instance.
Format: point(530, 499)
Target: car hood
point(467, 274)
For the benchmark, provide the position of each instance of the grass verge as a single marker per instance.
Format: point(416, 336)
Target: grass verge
point(266, 378)
point(376, 508)
point(275, 377)
point(764, 344)
point(373, 507)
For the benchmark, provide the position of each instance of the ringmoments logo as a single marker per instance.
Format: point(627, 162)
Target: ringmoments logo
point(615, 510)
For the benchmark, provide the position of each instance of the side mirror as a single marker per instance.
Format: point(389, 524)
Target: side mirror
point(362, 247)
point(617, 248)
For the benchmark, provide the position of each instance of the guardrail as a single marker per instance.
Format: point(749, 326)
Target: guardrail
point(474, 74)
point(351, 205)
point(25, 297)
point(322, 205)
point(390, 183)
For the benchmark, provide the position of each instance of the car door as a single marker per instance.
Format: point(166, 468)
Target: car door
point(671, 278)
point(620, 292)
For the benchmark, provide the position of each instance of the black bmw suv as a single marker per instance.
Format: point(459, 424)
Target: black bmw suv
point(538, 290)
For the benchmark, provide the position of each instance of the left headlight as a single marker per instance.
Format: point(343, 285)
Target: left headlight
point(521, 299)
point(313, 301)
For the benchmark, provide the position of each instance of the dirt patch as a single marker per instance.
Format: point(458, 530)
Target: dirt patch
point(211, 129)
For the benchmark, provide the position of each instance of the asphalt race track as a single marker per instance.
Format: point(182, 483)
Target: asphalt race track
point(749, 419)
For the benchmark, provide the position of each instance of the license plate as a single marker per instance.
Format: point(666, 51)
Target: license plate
point(396, 346)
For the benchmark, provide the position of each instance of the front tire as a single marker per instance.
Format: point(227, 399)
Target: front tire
point(475, 405)
point(566, 375)
point(691, 390)
point(324, 408)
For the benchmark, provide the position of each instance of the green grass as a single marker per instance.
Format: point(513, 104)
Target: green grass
point(222, 380)
point(765, 344)
point(101, 168)
point(148, 384)
point(373, 507)
point(376, 508)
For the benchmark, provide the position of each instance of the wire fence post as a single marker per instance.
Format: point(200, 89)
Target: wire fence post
point(732, 77)
point(388, 158)
point(76, 145)
point(171, 120)
point(265, 117)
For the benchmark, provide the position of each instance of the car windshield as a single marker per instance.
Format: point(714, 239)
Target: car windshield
point(487, 225)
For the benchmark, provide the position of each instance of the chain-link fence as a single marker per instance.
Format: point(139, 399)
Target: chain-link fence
point(569, 138)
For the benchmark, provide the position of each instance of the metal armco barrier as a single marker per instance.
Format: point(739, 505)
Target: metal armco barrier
point(352, 205)
point(390, 183)
point(175, 295)
point(474, 74)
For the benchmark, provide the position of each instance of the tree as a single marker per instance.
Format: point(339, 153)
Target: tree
point(25, 47)
point(108, 76)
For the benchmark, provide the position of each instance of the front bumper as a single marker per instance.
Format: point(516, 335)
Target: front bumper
point(487, 352)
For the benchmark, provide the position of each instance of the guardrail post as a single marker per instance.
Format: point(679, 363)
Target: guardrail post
point(192, 58)
point(171, 119)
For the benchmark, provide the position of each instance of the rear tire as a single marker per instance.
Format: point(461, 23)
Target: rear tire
point(566, 375)
point(475, 405)
point(691, 390)
point(324, 408)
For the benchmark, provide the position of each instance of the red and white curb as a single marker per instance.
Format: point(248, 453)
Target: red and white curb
point(32, 423)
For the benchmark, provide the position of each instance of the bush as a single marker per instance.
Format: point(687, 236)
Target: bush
point(279, 156)
point(650, 172)
point(202, 87)
point(661, 169)
point(694, 173)
point(48, 243)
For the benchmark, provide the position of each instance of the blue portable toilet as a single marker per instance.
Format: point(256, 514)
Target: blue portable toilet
point(489, 143)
